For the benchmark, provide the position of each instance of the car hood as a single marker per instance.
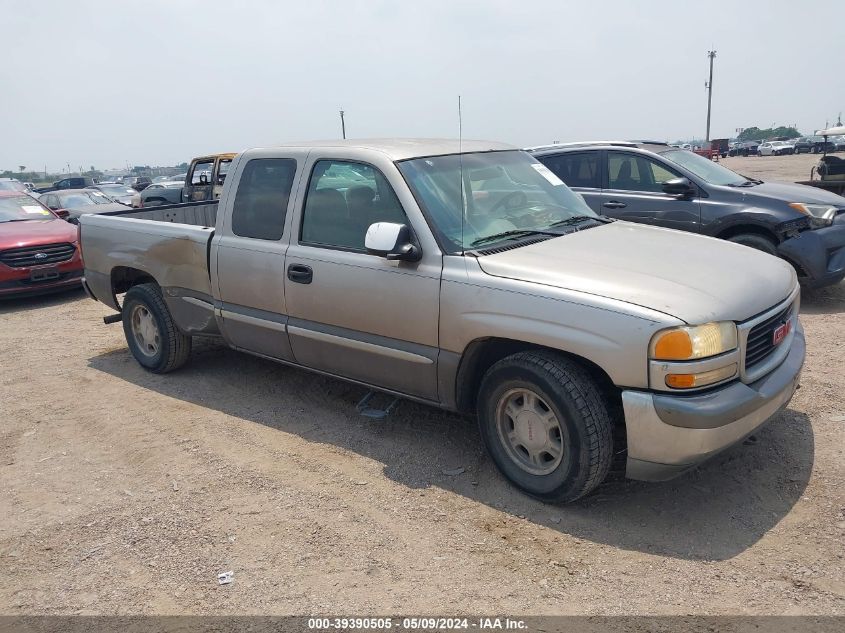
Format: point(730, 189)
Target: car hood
point(35, 233)
point(693, 278)
point(97, 208)
point(791, 192)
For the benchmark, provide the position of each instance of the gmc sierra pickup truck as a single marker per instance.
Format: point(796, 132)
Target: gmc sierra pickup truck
point(466, 275)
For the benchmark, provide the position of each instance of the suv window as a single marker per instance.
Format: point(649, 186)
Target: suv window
point(628, 172)
point(577, 169)
point(200, 169)
point(261, 201)
point(344, 199)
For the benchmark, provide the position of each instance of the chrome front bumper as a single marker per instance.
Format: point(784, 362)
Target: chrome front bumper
point(669, 434)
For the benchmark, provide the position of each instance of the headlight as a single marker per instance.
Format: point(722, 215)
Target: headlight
point(694, 342)
point(820, 214)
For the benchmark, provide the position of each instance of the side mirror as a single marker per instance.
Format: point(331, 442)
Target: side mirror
point(391, 241)
point(62, 213)
point(681, 187)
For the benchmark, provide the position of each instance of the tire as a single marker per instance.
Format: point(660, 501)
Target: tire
point(759, 153)
point(151, 334)
point(562, 390)
point(755, 241)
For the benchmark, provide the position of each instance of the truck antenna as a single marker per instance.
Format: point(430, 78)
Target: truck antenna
point(461, 170)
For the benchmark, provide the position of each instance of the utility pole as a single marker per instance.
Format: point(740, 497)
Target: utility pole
point(712, 56)
point(342, 124)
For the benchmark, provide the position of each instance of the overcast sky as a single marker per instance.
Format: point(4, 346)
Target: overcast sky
point(156, 82)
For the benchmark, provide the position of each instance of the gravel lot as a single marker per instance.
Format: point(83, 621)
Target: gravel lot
point(125, 492)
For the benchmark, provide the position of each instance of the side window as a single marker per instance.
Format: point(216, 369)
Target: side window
point(622, 172)
point(580, 169)
point(262, 198)
point(343, 200)
point(222, 170)
point(628, 172)
point(202, 169)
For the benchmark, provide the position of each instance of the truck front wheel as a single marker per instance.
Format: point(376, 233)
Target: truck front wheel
point(546, 426)
point(151, 334)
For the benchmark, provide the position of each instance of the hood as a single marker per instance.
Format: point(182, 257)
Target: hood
point(35, 233)
point(693, 278)
point(791, 192)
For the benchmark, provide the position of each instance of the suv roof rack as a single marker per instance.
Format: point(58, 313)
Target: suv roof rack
point(647, 142)
point(583, 144)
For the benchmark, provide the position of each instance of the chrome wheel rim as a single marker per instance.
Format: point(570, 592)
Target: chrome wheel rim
point(529, 431)
point(145, 331)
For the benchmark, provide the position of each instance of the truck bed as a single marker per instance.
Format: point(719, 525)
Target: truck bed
point(193, 213)
point(169, 244)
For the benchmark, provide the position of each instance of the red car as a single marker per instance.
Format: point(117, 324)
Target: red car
point(39, 252)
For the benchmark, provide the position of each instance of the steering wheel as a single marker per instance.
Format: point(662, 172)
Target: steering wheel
point(511, 201)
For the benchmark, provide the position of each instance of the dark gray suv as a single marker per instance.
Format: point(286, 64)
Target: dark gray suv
point(658, 184)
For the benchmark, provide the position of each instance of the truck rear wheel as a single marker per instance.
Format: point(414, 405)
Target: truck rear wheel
point(151, 334)
point(544, 423)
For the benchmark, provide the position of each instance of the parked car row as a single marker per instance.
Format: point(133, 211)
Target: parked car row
point(803, 145)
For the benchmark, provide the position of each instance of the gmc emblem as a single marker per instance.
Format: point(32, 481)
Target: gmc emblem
point(780, 332)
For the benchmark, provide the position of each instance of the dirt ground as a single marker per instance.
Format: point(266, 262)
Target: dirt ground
point(127, 493)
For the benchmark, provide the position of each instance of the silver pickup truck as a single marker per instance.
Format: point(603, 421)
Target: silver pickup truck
point(469, 277)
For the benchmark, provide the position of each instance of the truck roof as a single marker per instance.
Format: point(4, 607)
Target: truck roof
point(405, 148)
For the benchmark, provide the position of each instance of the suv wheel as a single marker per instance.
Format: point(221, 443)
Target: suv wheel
point(545, 425)
point(758, 242)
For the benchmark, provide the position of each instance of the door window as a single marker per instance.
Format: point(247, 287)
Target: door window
point(578, 169)
point(200, 170)
point(343, 200)
point(261, 201)
point(627, 172)
point(222, 170)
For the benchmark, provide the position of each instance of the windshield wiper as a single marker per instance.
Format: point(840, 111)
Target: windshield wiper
point(577, 219)
point(19, 220)
point(749, 182)
point(512, 235)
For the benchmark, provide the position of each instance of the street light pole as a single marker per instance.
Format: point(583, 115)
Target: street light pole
point(342, 124)
point(711, 55)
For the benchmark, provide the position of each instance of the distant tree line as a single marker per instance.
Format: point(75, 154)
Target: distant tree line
point(756, 134)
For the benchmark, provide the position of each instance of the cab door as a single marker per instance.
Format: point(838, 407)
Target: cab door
point(198, 184)
point(633, 191)
point(351, 313)
point(248, 257)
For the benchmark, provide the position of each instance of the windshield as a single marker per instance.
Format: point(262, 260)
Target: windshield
point(503, 192)
point(83, 199)
point(12, 185)
point(704, 168)
point(21, 208)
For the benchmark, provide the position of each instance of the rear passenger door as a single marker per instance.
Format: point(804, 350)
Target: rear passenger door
point(633, 191)
point(351, 313)
point(581, 171)
point(248, 257)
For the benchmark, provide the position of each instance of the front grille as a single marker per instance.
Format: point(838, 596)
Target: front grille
point(37, 255)
point(760, 342)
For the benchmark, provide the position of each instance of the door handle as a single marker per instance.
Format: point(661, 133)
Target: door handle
point(614, 204)
point(300, 273)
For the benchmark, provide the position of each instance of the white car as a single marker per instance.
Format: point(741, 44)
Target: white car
point(775, 148)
